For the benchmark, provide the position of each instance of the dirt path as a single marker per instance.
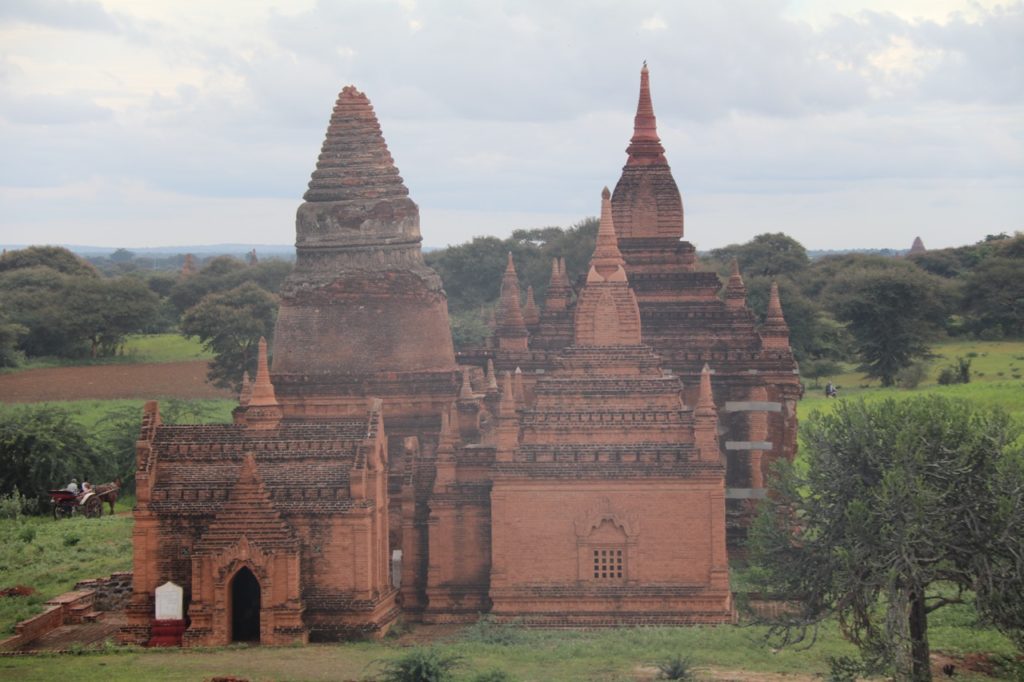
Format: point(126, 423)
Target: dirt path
point(108, 382)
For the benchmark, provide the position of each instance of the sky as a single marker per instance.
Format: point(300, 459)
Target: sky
point(843, 123)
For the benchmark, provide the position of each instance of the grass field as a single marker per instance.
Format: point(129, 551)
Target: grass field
point(91, 413)
point(723, 652)
point(51, 556)
point(997, 378)
point(52, 563)
point(137, 349)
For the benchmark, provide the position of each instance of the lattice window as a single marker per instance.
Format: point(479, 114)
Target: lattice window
point(608, 564)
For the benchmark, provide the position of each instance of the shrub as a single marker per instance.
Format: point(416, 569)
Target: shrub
point(421, 665)
point(488, 631)
point(992, 333)
point(844, 669)
point(676, 668)
point(957, 373)
point(10, 505)
point(912, 375)
point(42, 447)
point(27, 534)
point(71, 539)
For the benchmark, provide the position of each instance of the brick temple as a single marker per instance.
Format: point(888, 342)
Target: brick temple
point(589, 467)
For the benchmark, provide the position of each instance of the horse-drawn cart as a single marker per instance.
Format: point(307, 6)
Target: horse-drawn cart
point(90, 503)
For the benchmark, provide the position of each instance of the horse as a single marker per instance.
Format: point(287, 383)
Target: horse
point(108, 492)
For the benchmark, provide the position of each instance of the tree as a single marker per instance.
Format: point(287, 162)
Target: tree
point(105, 311)
point(224, 273)
point(71, 315)
point(891, 311)
point(11, 334)
point(814, 335)
point(55, 257)
point(994, 297)
point(43, 448)
point(766, 255)
point(122, 256)
point(899, 508)
point(230, 325)
point(471, 272)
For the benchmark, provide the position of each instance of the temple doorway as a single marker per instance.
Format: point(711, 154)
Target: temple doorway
point(245, 607)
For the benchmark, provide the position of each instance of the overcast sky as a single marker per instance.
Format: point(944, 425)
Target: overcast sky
point(842, 123)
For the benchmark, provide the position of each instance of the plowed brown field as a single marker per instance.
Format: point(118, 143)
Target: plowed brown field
point(108, 382)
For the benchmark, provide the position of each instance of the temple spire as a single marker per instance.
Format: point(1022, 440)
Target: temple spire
point(705, 399)
point(492, 379)
point(606, 265)
point(263, 410)
point(354, 162)
point(262, 390)
point(607, 313)
point(531, 314)
point(645, 146)
point(466, 393)
point(245, 395)
point(735, 289)
point(705, 422)
point(511, 330)
point(775, 332)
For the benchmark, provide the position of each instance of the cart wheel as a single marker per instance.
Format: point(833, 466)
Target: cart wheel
point(59, 512)
point(93, 508)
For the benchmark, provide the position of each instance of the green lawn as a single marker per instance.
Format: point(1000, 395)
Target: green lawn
point(543, 655)
point(139, 348)
point(90, 413)
point(997, 378)
point(52, 564)
point(51, 556)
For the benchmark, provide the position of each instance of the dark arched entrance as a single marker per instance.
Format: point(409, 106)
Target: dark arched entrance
point(245, 607)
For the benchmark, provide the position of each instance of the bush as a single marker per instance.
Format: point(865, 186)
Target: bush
point(42, 447)
point(72, 539)
point(992, 333)
point(957, 373)
point(27, 534)
point(421, 665)
point(676, 668)
point(912, 375)
point(11, 505)
point(489, 631)
point(844, 669)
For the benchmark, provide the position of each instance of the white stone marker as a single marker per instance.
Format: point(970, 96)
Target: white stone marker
point(170, 600)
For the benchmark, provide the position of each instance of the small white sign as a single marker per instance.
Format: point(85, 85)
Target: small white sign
point(170, 600)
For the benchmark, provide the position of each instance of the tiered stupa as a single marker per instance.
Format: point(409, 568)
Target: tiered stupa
point(361, 314)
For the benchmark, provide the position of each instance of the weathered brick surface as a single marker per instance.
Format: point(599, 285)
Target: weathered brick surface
point(605, 432)
point(681, 315)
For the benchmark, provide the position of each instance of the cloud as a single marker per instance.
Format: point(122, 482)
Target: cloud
point(78, 15)
point(51, 110)
point(519, 109)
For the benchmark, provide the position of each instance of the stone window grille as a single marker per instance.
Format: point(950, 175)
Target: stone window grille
point(609, 563)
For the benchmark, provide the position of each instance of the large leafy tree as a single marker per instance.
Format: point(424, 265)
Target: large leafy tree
point(766, 255)
point(55, 257)
point(43, 448)
point(74, 314)
point(224, 273)
point(902, 508)
point(892, 311)
point(230, 325)
point(994, 297)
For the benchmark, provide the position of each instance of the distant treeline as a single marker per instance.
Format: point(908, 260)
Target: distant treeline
point(881, 311)
point(54, 303)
